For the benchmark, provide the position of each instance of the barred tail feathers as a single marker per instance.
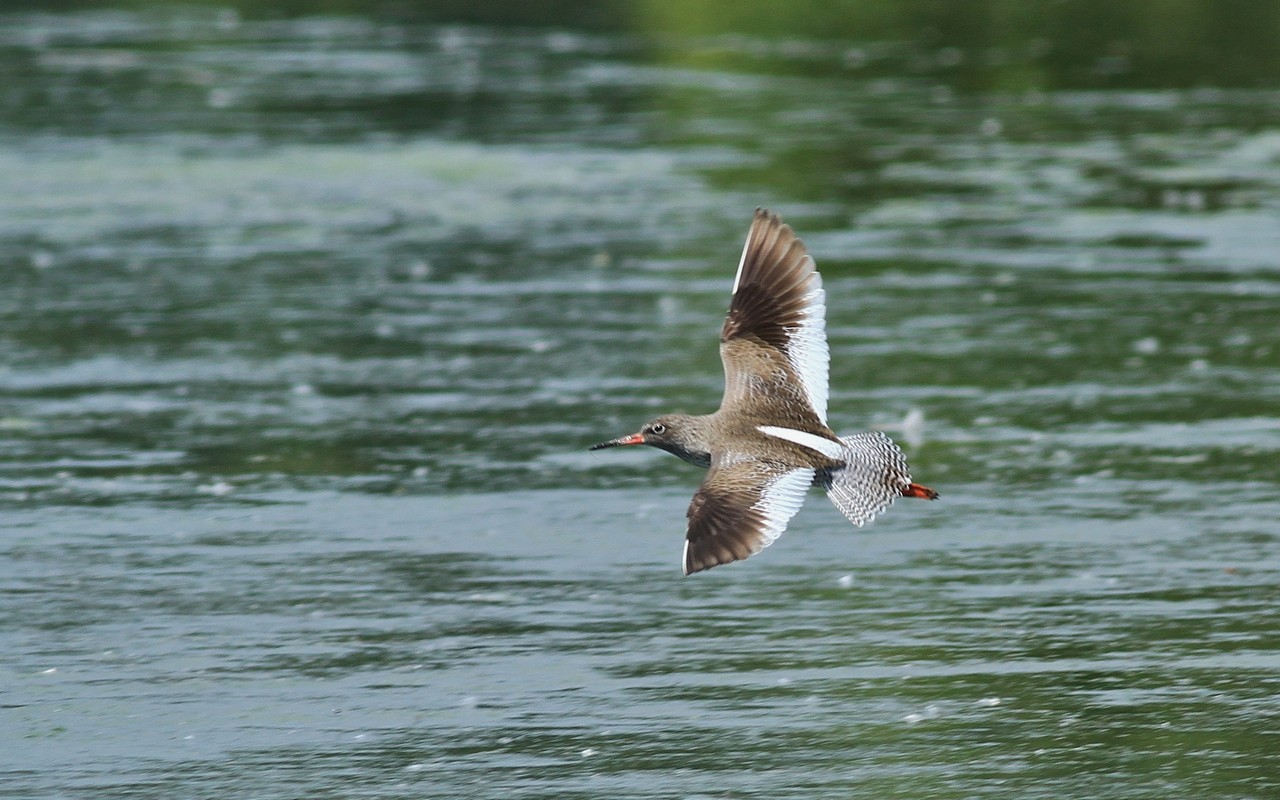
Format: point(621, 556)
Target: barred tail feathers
point(875, 474)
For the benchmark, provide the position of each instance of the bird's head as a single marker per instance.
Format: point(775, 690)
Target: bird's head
point(678, 434)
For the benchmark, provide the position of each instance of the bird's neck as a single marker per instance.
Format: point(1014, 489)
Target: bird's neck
point(695, 444)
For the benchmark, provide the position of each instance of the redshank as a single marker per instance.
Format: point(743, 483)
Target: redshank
point(769, 440)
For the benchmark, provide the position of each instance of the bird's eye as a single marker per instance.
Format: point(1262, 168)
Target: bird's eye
point(658, 428)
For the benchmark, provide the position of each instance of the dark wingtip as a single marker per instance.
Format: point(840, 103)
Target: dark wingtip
point(765, 213)
point(702, 558)
point(693, 567)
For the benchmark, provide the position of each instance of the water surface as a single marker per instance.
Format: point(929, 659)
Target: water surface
point(305, 326)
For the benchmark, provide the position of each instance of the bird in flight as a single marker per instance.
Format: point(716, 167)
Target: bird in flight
point(769, 440)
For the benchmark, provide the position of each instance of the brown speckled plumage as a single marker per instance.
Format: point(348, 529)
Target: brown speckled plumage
point(769, 440)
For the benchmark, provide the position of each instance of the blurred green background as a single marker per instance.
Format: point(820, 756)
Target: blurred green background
point(978, 44)
point(309, 312)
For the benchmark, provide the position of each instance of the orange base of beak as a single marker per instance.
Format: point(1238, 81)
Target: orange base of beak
point(632, 438)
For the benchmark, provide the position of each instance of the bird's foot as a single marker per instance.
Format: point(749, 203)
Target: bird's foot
point(922, 492)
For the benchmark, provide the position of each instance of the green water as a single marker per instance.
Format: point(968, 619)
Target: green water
point(306, 323)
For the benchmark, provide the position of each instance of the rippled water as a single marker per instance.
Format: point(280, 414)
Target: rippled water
point(305, 327)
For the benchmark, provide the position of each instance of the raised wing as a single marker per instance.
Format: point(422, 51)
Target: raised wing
point(774, 338)
point(740, 509)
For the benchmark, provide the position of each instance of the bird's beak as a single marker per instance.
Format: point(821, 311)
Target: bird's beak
point(631, 438)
